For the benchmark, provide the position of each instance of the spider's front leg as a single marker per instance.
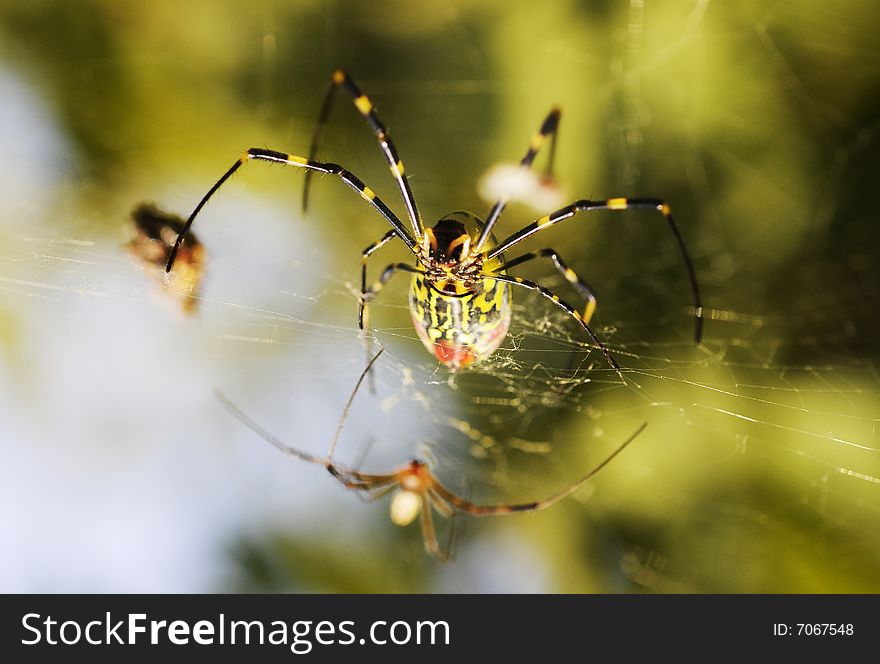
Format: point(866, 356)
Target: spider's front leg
point(273, 156)
point(342, 81)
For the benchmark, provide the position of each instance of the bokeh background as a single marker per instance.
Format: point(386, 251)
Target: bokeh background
point(759, 470)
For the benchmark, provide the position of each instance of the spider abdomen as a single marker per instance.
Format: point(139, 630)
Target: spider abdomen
point(463, 329)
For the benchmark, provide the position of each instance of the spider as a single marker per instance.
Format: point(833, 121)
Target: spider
point(155, 233)
point(460, 292)
point(418, 490)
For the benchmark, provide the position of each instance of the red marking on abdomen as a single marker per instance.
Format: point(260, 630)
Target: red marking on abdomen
point(453, 355)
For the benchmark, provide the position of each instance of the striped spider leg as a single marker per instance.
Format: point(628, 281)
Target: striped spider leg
point(460, 290)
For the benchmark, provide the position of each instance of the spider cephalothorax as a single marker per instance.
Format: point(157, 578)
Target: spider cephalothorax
point(450, 266)
point(460, 292)
point(414, 476)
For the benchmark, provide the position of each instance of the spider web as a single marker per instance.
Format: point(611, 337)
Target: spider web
point(760, 466)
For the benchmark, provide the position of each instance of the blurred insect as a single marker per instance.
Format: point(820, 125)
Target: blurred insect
point(459, 296)
point(418, 491)
point(155, 233)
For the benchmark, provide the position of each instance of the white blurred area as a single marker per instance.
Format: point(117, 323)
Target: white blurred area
point(510, 182)
point(121, 471)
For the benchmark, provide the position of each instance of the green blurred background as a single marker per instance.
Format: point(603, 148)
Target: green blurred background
point(760, 467)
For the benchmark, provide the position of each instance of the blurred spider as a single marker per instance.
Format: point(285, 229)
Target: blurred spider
point(418, 491)
point(459, 295)
point(155, 233)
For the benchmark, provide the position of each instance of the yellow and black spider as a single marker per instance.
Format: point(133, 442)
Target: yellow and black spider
point(460, 291)
point(418, 490)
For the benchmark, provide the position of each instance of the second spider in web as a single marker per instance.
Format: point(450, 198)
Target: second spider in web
point(417, 491)
point(460, 292)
